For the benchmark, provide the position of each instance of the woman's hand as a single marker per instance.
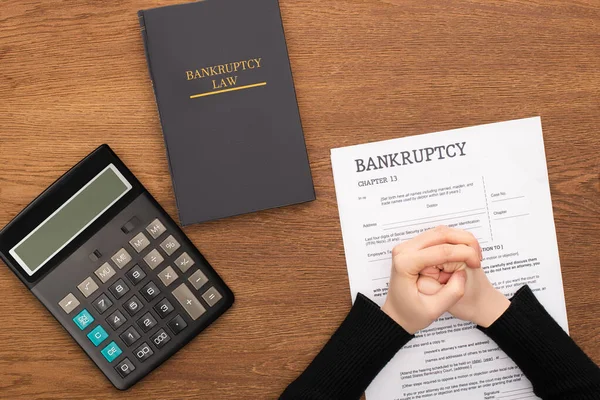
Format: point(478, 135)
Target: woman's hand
point(445, 250)
point(481, 303)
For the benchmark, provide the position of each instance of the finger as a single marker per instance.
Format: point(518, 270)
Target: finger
point(450, 256)
point(439, 235)
point(432, 272)
point(428, 285)
point(448, 294)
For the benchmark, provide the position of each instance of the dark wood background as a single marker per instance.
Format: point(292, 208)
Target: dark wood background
point(73, 75)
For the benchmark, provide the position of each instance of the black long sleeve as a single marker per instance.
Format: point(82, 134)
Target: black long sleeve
point(368, 339)
point(363, 344)
point(555, 365)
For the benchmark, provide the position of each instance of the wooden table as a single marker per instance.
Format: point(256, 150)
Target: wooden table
point(73, 75)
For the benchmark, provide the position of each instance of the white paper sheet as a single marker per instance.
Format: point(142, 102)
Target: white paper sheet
point(491, 180)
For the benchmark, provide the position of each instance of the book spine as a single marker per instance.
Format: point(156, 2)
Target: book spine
point(144, 33)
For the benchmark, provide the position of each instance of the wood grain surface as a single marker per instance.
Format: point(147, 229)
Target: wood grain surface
point(73, 76)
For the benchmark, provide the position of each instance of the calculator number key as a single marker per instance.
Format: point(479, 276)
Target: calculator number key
point(119, 288)
point(156, 228)
point(133, 306)
point(130, 336)
point(170, 245)
point(125, 368)
point(116, 319)
point(184, 262)
point(160, 338)
point(121, 258)
point(102, 303)
point(147, 322)
point(105, 272)
point(143, 352)
point(177, 324)
point(163, 308)
point(150, 291)
point(153, 259)
point(135, 275)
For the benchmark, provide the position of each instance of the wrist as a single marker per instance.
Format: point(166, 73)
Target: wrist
point(494, 304)
point(390, 312)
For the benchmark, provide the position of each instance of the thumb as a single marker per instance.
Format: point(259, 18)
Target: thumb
point(450, 293)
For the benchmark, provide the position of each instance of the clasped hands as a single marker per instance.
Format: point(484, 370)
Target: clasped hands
point(438, 271)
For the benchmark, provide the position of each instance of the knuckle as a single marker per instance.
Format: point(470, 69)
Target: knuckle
point(396, 250)
point(441, 228)
point(447, 250)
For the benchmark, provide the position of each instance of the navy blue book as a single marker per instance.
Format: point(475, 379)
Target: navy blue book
point(227, 106)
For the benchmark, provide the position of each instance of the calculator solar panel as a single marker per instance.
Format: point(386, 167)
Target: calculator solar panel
point(113, 268)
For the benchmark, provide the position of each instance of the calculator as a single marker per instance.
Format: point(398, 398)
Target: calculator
point(113, 268)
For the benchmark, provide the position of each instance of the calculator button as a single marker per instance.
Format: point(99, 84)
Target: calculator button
point(130, 336)
point(188, 301)
point(139, 242)
point(95, 256)
point(119, 288)
point(153, 259)
point(83, 319)
point(69, 303)
point(97, 335)
point(125, 367)
point(102, 303)
point(87, 287)
point(143, 352)
point(184, 262)
point(198, 279)
point(105, 272)
point(212, 296)
point(121, 258)
point(136, 275)
point(167, 276)
point(160, 338)
point(147, 322)
point(116, 319)
point(170, 245)
point(177, 324)
point(111, 352)
point(156, 228)
point(150, 291)
point(130, 225)
point(163, 308)
point(133, 306)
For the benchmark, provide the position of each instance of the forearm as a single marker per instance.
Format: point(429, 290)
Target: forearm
point(363, 344)
point(555, 365)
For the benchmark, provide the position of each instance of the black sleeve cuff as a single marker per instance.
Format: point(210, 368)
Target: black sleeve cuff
point(549, 358)
point(363, 344)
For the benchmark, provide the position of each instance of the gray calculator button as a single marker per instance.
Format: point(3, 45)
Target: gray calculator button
point(139, 242)
point(170, 245)
point(121, 258)
point(87, 287)
point(198, 279)
point(188, 301)
point(212, 296)
point(168, 276)
point(184, 262)
point(153, 259)
point(156, 228)
point(105, 272)
point(69, 303)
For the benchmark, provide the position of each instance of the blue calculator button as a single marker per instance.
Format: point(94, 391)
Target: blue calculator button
point(83, 319)
point(111, 352)
point(97, 335)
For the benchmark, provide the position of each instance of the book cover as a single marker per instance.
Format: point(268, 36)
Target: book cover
point(227, 105)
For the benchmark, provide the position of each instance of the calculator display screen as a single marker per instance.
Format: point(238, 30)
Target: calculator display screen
point(70, 219)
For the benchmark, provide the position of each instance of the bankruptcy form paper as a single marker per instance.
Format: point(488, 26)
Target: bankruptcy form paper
point(491, 180)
